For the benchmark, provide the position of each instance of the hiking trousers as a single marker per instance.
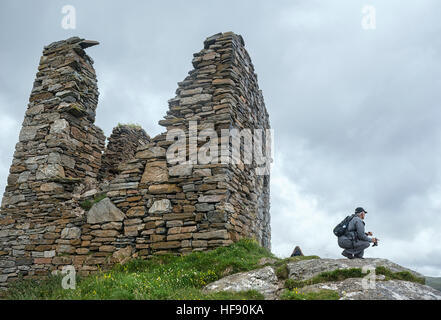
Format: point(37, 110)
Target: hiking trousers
point(355, 247)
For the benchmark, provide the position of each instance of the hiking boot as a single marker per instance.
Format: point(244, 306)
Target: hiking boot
point(347, 255)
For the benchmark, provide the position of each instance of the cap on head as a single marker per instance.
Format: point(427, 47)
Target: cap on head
point(360, 210)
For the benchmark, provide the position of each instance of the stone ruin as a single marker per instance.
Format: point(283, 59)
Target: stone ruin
point(71, 200)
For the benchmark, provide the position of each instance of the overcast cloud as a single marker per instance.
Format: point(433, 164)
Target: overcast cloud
point(355, 112)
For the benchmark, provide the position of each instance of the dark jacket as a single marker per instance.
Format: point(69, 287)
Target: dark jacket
point(356, 230)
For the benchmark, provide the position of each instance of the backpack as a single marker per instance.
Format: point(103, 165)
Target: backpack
point(341, 228)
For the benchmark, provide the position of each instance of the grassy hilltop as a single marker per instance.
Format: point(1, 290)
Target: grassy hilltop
point(162, 277)
point(173, 277)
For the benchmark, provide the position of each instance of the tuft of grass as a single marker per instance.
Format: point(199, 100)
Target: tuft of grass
point(402, 275)
point(87, 204)
point(160, 277)
point(300, 258)
point(282, 272)
point(339, 275)
point(130, 125)
point(328, 276)
point(324, 294)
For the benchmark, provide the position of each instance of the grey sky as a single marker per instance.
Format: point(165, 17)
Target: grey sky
point(355, 112)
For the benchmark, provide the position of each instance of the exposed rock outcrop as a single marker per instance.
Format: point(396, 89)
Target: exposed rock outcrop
point(306, 269)
point(352, 289)
point(265, 281)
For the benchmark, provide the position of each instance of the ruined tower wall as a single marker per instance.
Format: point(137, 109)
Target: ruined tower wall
point(67, 204)
point(59, 150)
point(238, 94)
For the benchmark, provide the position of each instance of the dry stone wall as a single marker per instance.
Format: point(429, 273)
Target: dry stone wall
point(121, 147)
point(72, 201)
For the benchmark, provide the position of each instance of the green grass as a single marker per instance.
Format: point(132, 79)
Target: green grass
point(282, 272)
point(298, 258)
point(33, 289)
point(313, 295)
point(402, 275)
point(328, 276)
point(130, 125)
point(161, 277)
point(87, 204)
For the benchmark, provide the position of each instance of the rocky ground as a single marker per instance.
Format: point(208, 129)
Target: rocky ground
point(271, 280)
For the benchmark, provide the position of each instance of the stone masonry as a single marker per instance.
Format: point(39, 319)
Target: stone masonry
point(70, 200)
point(121, 147)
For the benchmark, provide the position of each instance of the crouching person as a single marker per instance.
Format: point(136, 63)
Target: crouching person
point(355, 240)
